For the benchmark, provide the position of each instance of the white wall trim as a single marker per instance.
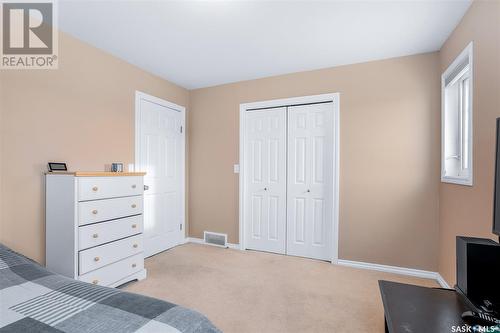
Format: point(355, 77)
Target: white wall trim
point(143, 96)
point(361, 265)
point(290, 101)
point(442, 282)
point(201, 241)
point(396, 270)
point(333, 97)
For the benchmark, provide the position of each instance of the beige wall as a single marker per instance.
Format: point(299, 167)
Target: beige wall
point(468, 210)
point(389, 156)
point(82, 113)
point(1, 154)
point(393, 209)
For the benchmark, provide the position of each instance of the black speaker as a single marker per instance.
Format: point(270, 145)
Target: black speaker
point(478, 271)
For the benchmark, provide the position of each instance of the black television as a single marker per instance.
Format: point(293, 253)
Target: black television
point(496, 202)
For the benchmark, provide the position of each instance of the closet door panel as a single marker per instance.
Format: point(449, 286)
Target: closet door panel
point(265, 180)
point(309, 186)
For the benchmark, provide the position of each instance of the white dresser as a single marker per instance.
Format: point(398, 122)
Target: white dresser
point(94, 226)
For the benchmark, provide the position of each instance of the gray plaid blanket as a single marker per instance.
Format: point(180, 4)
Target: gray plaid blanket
point(33, 299)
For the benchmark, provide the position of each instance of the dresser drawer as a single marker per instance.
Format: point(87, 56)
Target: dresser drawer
point(99, 233)
point(108, 209)
point(92, 188)
point(106, 254)
point(110, 274)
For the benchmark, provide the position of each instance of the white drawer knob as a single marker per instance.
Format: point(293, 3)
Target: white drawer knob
point(95, 281)
point(135, 246)
point(134, 205)
point(94, 212)
point(134, 265)
point(95, 188)
point(97, 259)
point(134, 226)
point(95, 235)
point(134, 186)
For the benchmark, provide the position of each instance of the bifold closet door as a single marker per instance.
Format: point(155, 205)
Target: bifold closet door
point(265, 180)
point(310, 181)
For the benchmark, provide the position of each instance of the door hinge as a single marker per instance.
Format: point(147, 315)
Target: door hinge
point(181, 129)
point(180, 226)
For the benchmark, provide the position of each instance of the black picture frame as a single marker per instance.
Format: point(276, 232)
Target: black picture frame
point(57, 166)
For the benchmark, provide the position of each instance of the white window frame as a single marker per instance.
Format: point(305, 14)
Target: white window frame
point(467, 180)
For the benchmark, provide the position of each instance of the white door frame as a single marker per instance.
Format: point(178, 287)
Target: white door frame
point(335, 98)
point(143, 96)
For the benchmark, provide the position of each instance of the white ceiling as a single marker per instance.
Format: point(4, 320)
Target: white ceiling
point(206, 43)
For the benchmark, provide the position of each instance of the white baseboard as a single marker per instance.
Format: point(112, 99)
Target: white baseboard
point(362, 265)
point(396, 270)
point(201, 241)
point(442, 282)
point(233, 246)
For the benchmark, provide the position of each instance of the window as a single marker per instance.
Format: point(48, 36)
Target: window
point(456, 120)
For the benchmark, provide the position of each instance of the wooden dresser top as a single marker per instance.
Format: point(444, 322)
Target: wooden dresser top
point(97, 173)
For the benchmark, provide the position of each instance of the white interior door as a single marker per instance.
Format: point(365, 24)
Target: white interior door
point(265, 180)
point(161, 155)
point(310, 181)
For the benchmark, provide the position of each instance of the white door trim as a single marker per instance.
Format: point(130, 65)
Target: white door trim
point(143, 96)
point(335, 98)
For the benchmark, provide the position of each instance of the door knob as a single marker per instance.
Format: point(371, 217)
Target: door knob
point(265, 188)
point(146, 187)
point(308, 191)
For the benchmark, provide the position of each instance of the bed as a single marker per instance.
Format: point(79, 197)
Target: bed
point(33, 299)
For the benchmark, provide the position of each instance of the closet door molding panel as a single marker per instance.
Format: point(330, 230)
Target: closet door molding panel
point(265, 182)
point(310, 175)
point(309, 226)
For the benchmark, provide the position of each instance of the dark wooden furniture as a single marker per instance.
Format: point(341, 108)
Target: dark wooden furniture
point(409, 308)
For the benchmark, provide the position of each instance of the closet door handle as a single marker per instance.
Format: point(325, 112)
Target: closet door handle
point(265, 188)
point(308, 190)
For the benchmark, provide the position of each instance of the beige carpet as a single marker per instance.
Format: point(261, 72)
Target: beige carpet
point(246, 291)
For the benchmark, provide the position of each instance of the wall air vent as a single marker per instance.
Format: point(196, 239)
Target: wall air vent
point(214, 238)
